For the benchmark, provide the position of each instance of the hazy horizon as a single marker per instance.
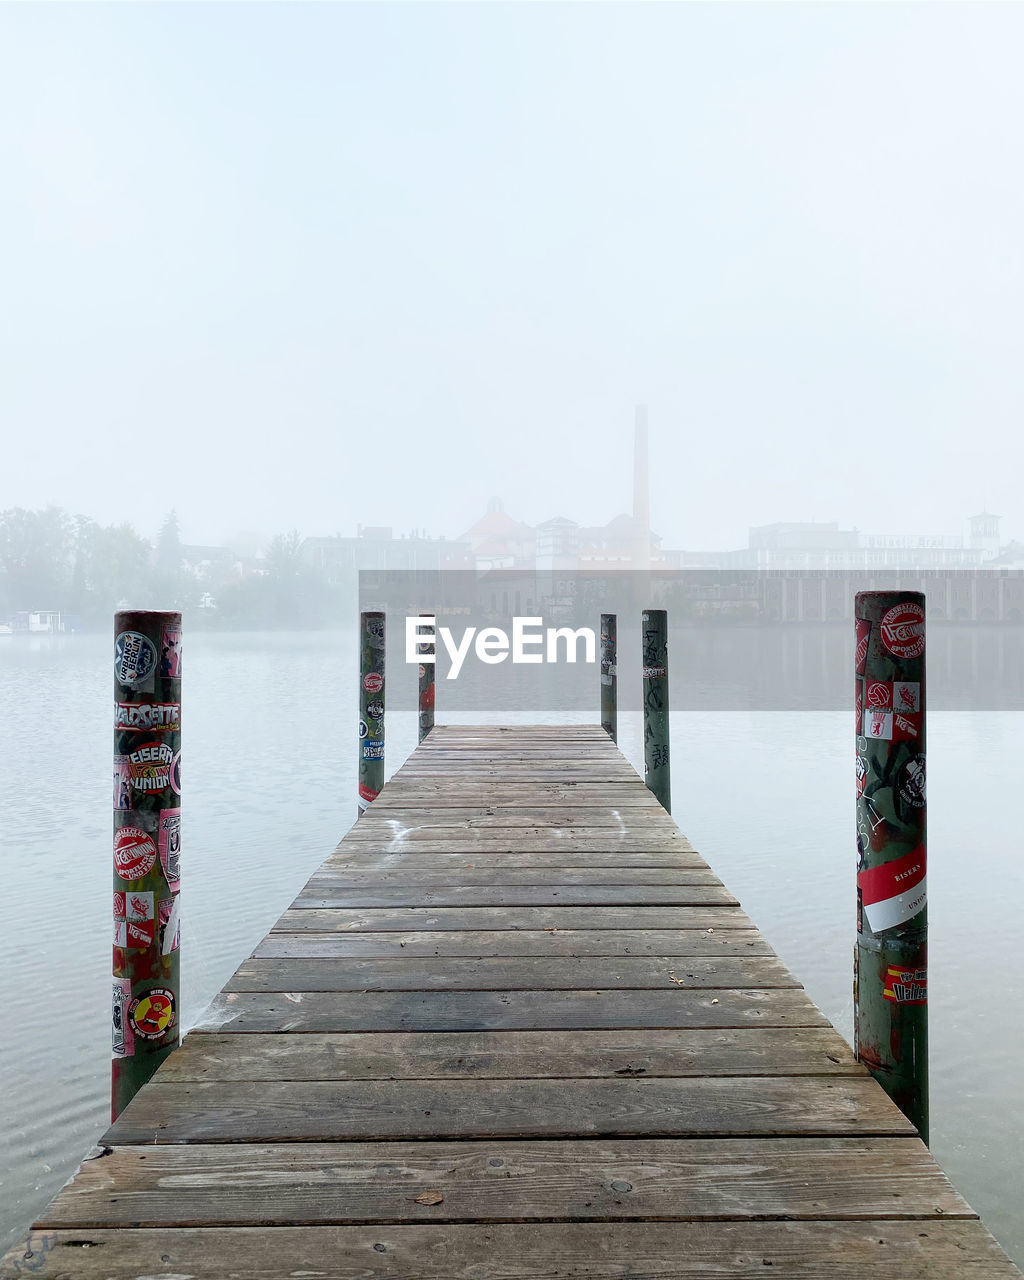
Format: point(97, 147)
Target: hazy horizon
point(317, 266)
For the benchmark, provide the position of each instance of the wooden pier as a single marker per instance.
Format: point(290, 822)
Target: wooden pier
point(513, 1027)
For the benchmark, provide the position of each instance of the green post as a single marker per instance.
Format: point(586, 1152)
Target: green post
point(426, 670)
point(654, 644)
point(891, 955)
point(147, 843)
point(609, 710)
point(371, 708)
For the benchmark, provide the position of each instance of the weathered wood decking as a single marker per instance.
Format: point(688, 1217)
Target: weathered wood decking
point(513, 1027)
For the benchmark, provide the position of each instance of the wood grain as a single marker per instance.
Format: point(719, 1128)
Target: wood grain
point(295, 1111)
point(441, 1055)
point(666, 1179)
point(506, 1010)
point(820, 1250)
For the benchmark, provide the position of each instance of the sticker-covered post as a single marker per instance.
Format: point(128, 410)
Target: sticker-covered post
point(427, 649)
point(891, 955)
point(371, 708)
point(609, 710)
point(654, 648)
point(147, 848)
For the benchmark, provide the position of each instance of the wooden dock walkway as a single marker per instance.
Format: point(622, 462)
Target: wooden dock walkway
point(514, 1027)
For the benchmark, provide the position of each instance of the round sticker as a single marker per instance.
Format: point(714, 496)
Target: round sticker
point(363, 729)
point(150, 766)
point(862, 775)
point(375, 710)
point(373, 682)
point(176, 774)
point(912, 783)
point(903, 630)
point(152, 1013)
point(134, 853)
point(134, 658)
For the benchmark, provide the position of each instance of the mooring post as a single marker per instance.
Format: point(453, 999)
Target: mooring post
point(147, 844)
point(654, 645)
point(426, 684)
point(371, 707)
point(609, 710)
point(891, 956)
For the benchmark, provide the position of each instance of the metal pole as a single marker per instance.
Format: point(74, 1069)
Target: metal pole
point(147, 844)
point(426, 685)
point(371, 708)
point(609, 710)
point(891, 955)
point(654, 642)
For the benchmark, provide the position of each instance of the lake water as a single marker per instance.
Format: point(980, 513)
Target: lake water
point(269, 786)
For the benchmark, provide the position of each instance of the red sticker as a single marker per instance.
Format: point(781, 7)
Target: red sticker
point(373, 682)
point(150, 767)
point(894, 892)
point(139, 934)
point(906, 986)
point(906, 728)
point(903, 630)
point(879, 693)
point(134, 853)
point(863, 636)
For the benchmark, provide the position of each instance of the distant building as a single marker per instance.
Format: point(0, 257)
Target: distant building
point(496, 541)
point(339, 559)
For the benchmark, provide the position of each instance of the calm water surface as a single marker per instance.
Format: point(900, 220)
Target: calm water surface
point(269, 780)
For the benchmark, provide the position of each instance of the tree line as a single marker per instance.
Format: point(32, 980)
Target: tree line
point(53, 560)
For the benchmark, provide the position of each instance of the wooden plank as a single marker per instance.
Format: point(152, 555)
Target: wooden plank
point(542, 861)
point(670, 1179)
point(374, 1110)
point(541, 796)
point(625, 787)
point(442, 1055)
point(372, 920)
point(392, 869)
point(323, 893)
point(953, 1249)
point(506, 1010)
point(397, 839)
point(518, 942)
point(423, 817)
point(504, 973)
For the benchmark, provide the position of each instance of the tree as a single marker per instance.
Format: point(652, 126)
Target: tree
point(36, 557)
point(168, 546)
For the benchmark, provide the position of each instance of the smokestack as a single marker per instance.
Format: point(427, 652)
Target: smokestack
point(641, 494)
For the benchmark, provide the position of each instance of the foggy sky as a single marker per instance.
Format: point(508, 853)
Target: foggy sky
point(311, 266)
